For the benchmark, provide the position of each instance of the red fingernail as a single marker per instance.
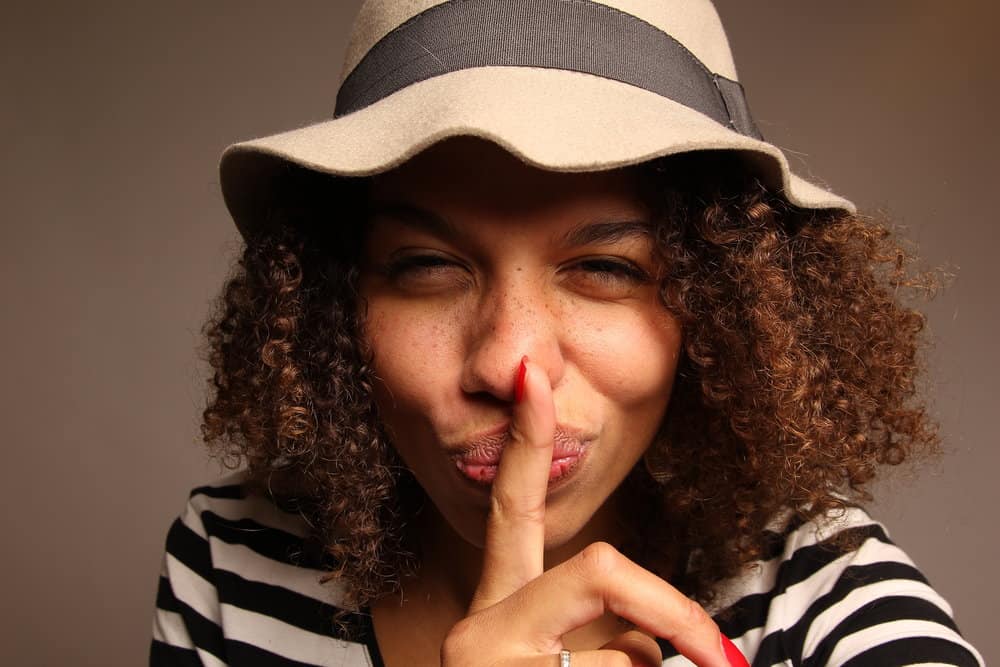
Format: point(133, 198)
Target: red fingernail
point(733, 654)
point(522, 371)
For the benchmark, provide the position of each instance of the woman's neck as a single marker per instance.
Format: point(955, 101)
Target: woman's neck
point(411, 625)
point(451, 567)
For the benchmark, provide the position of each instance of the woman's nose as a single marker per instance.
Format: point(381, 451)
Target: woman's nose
point(512, 321)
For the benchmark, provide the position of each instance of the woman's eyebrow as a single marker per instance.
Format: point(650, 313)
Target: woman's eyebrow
point(417, 217)
point(607, 232)
point(590, 233)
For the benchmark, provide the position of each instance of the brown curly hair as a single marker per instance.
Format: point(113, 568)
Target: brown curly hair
point(797, 379)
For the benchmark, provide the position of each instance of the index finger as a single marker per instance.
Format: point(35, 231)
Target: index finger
point(515, 529)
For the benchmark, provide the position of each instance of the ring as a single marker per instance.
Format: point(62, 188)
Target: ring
point(564, 658)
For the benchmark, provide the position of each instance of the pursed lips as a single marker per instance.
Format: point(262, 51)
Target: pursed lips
point(478, 457)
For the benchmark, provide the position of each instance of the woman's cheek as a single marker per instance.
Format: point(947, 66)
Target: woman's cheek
point(410, 349)
point(633, 358)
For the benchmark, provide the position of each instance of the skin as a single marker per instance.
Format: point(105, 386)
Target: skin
point(475, 261)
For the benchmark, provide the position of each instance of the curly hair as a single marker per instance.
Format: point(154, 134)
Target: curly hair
point(798, 376)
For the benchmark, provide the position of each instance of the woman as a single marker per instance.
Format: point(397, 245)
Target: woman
point(538, 354)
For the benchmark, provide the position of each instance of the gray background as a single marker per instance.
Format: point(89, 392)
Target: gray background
point(114, 239)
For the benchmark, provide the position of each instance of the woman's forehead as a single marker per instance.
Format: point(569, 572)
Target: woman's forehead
point(466, 174)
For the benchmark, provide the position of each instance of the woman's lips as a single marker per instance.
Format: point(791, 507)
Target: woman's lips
point(479, 457)
point(485, 473)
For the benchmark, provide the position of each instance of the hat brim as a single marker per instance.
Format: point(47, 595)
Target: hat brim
point(553, 119)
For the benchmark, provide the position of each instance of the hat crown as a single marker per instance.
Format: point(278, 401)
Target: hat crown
point(693, 23)
point(565, 85)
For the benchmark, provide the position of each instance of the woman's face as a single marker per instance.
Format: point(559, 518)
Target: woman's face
point(474, 260)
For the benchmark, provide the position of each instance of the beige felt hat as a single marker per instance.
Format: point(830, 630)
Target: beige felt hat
point(566, 85)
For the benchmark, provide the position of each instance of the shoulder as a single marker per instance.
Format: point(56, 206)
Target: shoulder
point(834, 591)
point(240, 584)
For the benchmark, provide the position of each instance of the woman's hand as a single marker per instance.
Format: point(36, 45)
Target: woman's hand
point(520, 613)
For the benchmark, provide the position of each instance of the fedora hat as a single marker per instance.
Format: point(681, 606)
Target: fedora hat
point(565, 85)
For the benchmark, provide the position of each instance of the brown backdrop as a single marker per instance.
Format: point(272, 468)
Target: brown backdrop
point(114, 239)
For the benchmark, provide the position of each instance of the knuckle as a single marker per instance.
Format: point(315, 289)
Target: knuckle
point(694, 615)
point(524, 508)
point(520, 437)
point(600, 559)
point(516, 434)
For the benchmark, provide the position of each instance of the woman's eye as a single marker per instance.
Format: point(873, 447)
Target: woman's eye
point(419, 270)
point(606, 277)
point(612, 272)
point(414, 263)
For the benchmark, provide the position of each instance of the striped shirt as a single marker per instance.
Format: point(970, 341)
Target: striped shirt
point(240, 586)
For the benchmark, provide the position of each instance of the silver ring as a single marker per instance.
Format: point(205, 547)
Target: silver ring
point(564, 658)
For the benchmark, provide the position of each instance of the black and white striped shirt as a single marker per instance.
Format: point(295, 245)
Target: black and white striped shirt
point(239, 587)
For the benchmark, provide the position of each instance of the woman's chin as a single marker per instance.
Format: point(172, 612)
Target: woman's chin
point(559, 534)
point(568, 528)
